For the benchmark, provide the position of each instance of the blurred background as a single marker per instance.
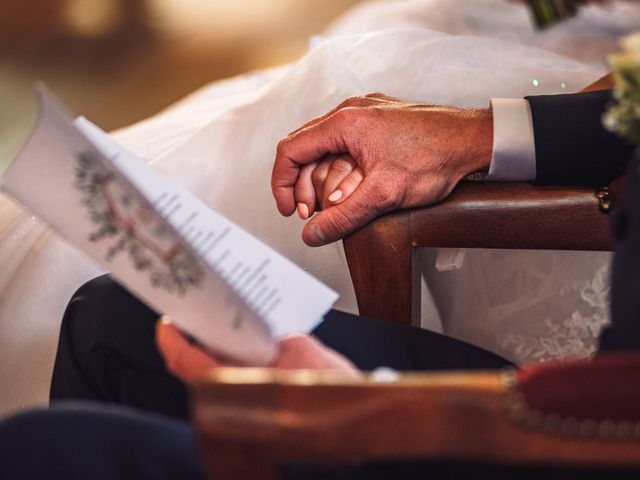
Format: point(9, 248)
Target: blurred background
point(119, 61)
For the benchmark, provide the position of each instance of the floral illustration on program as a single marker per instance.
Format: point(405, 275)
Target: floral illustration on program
point(130, 226)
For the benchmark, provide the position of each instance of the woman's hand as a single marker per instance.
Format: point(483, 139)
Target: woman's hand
point(326, 183)
point(188, 361)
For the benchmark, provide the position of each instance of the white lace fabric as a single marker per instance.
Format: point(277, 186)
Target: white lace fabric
point(528, 306)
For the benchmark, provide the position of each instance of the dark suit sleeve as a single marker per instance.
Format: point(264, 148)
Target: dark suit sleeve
point(572, 146)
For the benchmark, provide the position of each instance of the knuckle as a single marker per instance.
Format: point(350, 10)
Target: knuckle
point(384, 196)
point(342, 166)
point(302, 194)
point(283, 147)
point(353, 118)
point(350, 183)
point(318, 176)
point(347, 102)
point(354, 101)
point(345, 114)
point(341, 221)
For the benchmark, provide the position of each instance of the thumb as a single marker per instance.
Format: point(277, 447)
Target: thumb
point(367, 202)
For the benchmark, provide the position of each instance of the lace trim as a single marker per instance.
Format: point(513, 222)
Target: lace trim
point(573, 337)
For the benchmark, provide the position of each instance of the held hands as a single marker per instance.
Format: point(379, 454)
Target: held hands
point(374, 154)
point(188, 362)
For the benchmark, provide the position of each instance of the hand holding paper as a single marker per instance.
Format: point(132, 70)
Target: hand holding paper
point(295, 352)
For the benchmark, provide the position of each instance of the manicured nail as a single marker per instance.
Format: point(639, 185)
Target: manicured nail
point(303, 211)
point(166, 320)
point(318, 235)
point(335, 196)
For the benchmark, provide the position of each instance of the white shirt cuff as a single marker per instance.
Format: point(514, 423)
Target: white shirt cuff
point(514, 150)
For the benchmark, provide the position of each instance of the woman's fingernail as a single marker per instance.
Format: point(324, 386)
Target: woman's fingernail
point(303, 211)
point(166, 320)
point(335, 196)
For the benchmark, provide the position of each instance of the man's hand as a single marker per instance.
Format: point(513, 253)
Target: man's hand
point(188, 361)
point(375, 154)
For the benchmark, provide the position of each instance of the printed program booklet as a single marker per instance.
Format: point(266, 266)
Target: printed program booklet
point(219, 284)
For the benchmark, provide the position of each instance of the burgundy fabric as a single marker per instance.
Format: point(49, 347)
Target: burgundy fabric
point(607, 387)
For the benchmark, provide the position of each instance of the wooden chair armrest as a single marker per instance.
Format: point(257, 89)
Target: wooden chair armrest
point(513, 215)
point(475, 215)
point(603, 83)
point(250, 423)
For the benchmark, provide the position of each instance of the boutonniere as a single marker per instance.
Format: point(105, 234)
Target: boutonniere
point(623, 115)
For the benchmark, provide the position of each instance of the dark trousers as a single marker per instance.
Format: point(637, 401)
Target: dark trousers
point(103, 442)
point(79, 441)
point(107, 350)
point(107, 355)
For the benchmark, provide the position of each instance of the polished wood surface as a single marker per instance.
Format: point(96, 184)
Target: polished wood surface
point(251, 422)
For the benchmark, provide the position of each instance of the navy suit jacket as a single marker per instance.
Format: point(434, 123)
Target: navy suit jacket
point(572, 147)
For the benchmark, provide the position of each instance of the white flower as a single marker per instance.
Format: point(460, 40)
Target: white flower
point(631, 44)
point(610, 122)
point(623, 116)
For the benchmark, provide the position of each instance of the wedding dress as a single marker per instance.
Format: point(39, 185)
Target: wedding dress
point(219, 142)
